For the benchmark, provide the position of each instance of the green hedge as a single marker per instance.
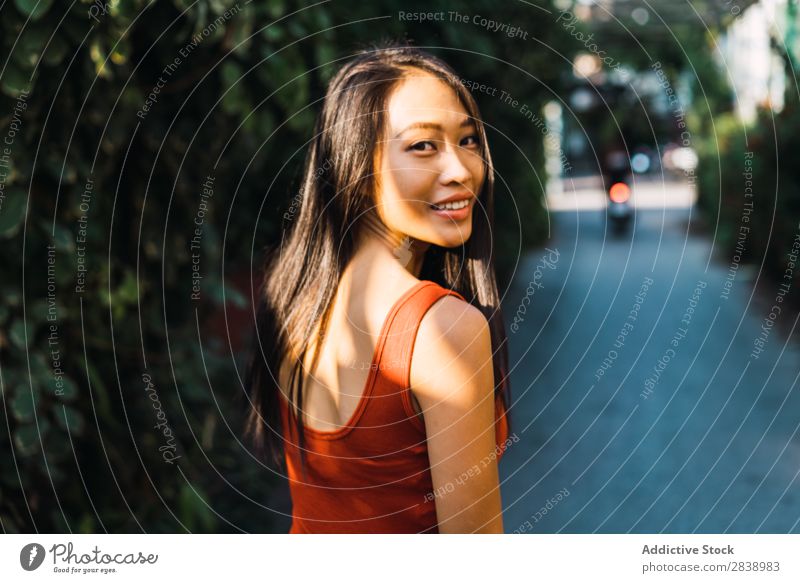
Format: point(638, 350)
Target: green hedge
point(735, 158)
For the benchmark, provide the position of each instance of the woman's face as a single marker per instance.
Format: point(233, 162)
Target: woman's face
point(429, 167)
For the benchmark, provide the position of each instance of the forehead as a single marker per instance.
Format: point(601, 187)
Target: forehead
point(421, 96)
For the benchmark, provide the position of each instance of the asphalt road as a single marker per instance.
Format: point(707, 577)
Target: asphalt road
point(641, 407)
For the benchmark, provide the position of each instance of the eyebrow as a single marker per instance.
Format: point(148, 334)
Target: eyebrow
point(426, 125)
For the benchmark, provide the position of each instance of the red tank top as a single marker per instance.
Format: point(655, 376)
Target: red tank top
point(372, 475)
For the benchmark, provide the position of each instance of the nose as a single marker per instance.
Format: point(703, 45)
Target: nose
point(454, 168)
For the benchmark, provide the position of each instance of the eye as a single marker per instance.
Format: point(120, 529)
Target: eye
point(471, 141)
point(421, 147)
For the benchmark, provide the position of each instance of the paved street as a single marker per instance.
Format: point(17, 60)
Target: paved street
point(640, 406)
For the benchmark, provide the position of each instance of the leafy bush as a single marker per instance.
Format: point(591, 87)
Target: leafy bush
point(735, 156)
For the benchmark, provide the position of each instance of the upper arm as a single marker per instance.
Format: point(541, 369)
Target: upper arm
point(452, 379)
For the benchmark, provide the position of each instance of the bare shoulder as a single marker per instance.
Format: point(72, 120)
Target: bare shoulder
point(451, 315)
point(453, 343)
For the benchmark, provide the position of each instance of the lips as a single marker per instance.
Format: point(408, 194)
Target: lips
point(452, 205)
point(454, 201)
point(456, 210)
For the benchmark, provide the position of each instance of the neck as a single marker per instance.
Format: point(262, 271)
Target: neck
point(408, 252)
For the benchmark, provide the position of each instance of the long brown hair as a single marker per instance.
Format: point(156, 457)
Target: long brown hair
point(301, 276)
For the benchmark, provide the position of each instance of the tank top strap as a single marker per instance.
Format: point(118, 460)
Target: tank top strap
point(391, 398)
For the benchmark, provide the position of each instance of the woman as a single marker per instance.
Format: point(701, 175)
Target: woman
point(379, 369)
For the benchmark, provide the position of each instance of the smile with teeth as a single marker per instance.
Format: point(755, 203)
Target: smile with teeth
point(451, 206)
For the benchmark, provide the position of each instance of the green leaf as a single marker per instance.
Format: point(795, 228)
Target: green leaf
point(41, 372)
point(64, 239)
point(35, 9)
point(242, 38)
point(30, 45)
point(325, 53)
point(194, 512)
point(68, 389)
point(17, 334)
point(70, 419)
point(11, 296)
point(234, 296)
point(297, 29)
point(217, 6)
point(22, 406)
point(87, 525)
point(231, 294)
point(322, 20)
point(200, 11)
point(37, 312)
point(231, 73)
point(276, 8)
point(12, 212)
point(100, 392)
point(301, 119)
point(273, 33)
point(126, 292)
point(26, 438)
point(99, 56)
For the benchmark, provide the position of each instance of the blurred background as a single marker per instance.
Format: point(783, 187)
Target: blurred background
point(648, 208)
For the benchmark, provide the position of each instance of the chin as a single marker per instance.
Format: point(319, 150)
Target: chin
point(451, 242)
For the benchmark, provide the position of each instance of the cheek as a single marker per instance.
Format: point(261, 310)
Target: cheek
point(406, 188)
point(477, 169)
point(414, 185)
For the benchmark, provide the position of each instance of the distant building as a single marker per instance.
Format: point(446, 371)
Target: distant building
point(754, 70)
